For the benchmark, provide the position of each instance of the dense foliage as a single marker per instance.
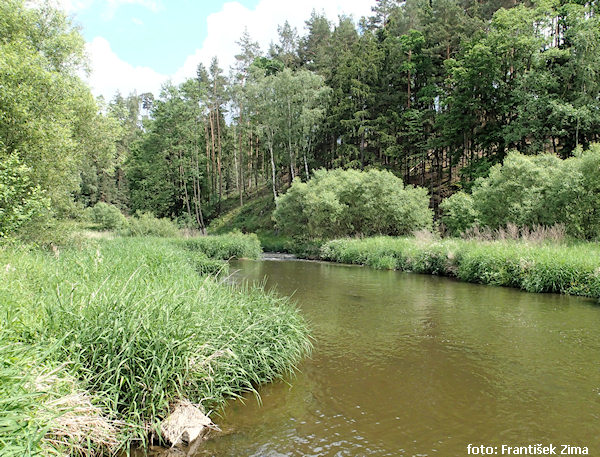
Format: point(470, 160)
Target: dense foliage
point(48, 116)
point(21, 200)
point(351, 202)
point(531, 191)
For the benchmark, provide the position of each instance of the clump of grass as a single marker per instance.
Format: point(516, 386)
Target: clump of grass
point(538, 234)
point(225, 247)
point(140, 329)
point(20, 431)
point(206, 266)
point(548, 267)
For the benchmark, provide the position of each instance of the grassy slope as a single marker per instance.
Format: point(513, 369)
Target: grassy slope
point(139, 328)
point(253, 217)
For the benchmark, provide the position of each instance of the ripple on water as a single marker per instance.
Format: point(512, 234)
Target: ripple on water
point(409, 364)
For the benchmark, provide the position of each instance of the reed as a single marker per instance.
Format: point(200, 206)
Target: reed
point(526, 264)
point(139, 328)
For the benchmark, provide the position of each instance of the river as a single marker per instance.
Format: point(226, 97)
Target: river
point(415, 365)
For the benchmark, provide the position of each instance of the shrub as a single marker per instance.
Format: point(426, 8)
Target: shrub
point(581, 194)
point(533, 191)
point(339, 202)
point(107, 216)
point(145, 224)
point(459, 213)
point(20, 200)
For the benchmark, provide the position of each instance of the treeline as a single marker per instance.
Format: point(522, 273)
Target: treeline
point(434, 91)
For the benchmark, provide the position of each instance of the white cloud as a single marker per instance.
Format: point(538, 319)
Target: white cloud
point(72, 6)
point(225, 27)
point(137, 21)
point(110, 74)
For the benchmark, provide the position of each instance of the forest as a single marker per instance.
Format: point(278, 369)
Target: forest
point(435, 92)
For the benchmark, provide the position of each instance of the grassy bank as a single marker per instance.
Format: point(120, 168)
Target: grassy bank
point(133, 326)
point(560, 268)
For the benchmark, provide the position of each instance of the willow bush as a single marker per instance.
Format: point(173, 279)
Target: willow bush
point(335, 203)
point(530, 191)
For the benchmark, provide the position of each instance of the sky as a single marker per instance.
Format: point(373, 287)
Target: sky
point(137, 45)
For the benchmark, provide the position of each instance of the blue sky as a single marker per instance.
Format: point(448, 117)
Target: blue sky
point(137, 45)
point(160, 37)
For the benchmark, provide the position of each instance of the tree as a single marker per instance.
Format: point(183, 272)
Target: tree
point(286, 51)
point(288, 107)
point(43, 101)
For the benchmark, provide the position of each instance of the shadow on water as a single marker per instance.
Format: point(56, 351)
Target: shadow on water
point(408, 364)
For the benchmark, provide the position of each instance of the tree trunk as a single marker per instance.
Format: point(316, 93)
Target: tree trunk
point(273, 171)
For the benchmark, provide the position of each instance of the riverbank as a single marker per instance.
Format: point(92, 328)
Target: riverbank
point(565, 268)
point(99, 342)
point(572, 269)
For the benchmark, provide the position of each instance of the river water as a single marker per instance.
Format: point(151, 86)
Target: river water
point(415, 365)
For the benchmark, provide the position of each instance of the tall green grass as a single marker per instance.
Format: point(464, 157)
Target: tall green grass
point(140, 328)
point(568, 269)
point(20, 432)
point(226, 246)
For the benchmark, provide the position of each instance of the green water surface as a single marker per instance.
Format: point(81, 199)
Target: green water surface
point(414, 365)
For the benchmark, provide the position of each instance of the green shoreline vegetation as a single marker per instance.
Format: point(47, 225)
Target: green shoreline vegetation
point(531, 266)
point(130, 326)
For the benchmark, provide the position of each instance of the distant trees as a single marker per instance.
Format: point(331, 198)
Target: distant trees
point(287, 108)
point(167, 170)
point(336, 203)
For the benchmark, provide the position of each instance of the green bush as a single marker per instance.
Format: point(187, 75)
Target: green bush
point(20, 200)
point(107, 216)
point(459, 213)
point(336, 203)
point(145, 224)
point(530, 191)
